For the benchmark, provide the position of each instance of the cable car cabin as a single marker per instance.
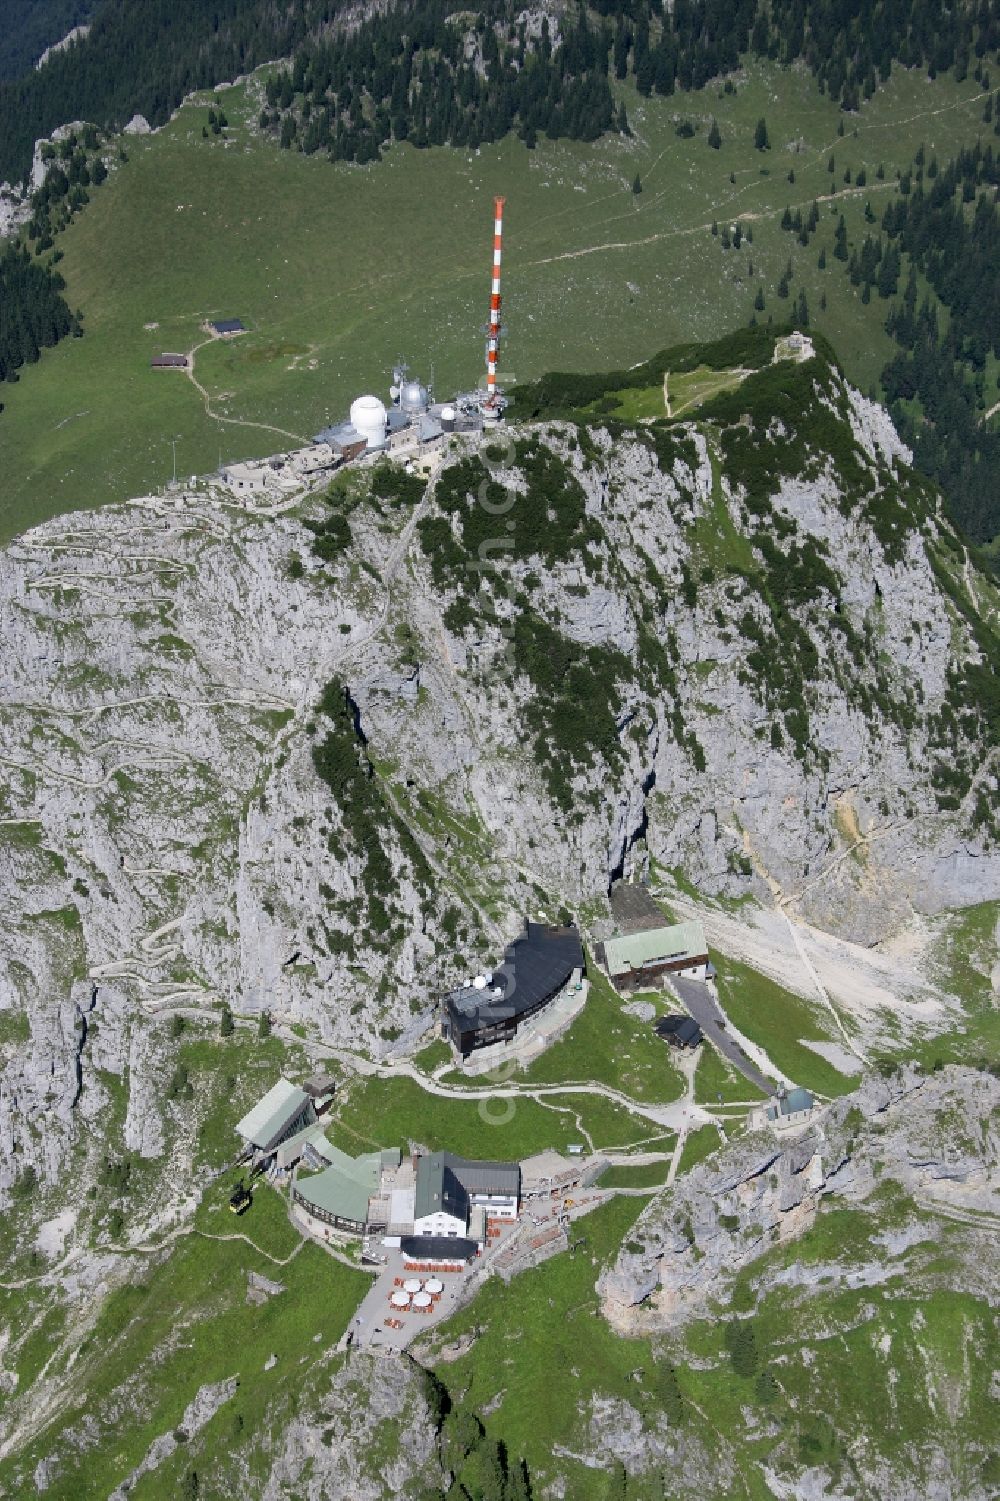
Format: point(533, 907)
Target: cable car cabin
point(240, 1199)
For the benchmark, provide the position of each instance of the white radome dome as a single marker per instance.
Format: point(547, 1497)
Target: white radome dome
point(368, 415)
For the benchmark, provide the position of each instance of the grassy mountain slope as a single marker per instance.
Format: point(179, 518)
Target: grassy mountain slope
point(165, 838)
point(340, 269)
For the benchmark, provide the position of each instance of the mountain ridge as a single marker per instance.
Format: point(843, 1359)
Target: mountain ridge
point(309, 762)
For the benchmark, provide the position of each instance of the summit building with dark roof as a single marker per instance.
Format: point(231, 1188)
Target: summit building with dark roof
point(537, 967)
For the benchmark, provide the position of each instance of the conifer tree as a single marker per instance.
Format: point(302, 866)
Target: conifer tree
point(840, 240)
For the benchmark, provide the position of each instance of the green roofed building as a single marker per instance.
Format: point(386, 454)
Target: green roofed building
point(339, 1196)
point(449, 1188)
point(636, 960)
point(309, 1144)
point(284, 1111)
point(789, 1107)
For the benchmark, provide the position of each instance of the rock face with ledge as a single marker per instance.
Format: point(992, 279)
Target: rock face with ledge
point(166, 842)
point(934, 1137)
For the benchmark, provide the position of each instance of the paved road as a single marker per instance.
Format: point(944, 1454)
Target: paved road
point(699, 1000)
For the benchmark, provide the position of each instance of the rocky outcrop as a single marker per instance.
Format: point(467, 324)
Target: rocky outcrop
point(936, 1136)
point(371, 1434)
point(207, 1402)
point(167, 844)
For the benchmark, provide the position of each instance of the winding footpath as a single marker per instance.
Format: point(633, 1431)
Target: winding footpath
point(150, 1248)
point(676, 1116)
point(268, 427)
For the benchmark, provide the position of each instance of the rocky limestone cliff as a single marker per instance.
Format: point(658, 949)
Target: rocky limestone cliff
point(579, 651)
point(934, 1137)
point(369, 1433)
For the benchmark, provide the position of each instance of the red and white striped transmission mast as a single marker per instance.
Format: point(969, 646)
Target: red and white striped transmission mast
point(494, 404)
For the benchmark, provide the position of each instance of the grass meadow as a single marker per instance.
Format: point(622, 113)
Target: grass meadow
point(778, 1021)
point(545, 1321)
point(606, 1045)
point(339, 269)
point(372, 1113)
point(183, 1320)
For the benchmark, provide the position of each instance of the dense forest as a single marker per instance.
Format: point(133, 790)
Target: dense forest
point(946, 222)
point(850, 45)
point(408, 74)
point(141, 55)
point(33, 311)
point(74, 165)
point(412, 75)
point(27, 27)
point(144, 55)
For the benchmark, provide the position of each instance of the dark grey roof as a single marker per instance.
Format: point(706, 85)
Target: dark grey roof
point(684, 1028)
point(397, 420)
point(536, 966)
point(320, 1084)
point(340, 434)
point(486, 1177)
point(445, 1182)
point(438, 1247)
point(633, 909)
point(228, 325)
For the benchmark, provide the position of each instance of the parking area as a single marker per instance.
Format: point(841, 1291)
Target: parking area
point(703, 1005)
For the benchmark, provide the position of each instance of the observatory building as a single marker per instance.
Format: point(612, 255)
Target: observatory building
point(409, 395)
point(414, 420)
point(369, 419)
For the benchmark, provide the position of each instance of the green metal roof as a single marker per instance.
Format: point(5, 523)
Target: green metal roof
point(654, 945)
point(344, 1188)
point(314, 1135)
point(272, 1114)
point(437, 1188)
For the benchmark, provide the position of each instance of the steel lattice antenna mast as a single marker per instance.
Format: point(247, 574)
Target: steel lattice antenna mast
point(493, 331)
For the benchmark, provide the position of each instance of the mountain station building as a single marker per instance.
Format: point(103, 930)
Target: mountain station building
point(636, 961)
point(538, 966)
point(422, 1202)
point(283, 1112)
